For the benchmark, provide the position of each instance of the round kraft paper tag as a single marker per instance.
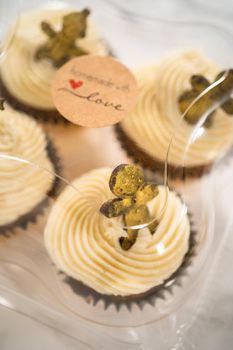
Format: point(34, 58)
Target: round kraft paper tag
point(94, 91)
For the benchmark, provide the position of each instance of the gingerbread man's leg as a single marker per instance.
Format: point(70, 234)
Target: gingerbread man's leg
point(47, 29)
point(42, 52)
point(137, 215)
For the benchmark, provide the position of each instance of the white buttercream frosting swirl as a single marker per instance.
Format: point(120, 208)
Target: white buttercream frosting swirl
point(156, 116)
point(85, 244)
point(22, 186)
point(29, 80)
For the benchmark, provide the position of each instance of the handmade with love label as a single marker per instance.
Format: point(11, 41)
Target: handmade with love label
point(94, 91)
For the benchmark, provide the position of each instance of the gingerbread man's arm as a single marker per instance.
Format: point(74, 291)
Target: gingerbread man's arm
point(48, 29)
point(75, 51)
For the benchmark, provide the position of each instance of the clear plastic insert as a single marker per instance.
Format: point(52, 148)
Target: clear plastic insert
point(27, 272)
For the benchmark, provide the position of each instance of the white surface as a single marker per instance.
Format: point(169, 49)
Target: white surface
point(18, 332)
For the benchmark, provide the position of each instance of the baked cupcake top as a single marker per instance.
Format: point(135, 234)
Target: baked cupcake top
point(156, 116)
point(22, 186)
point(85, 244)
point(23, 75)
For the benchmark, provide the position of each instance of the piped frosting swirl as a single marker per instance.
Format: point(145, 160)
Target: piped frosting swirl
point(22, 186)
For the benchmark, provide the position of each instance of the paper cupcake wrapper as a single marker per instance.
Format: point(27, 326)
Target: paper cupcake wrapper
point(154, 165)
point(44, 115)
point(150, 297)
point(32, 217)
point(50, 116)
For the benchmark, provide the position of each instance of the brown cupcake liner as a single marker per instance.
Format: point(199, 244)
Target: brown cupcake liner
point(154, 165)
point(46, 115)
point(140, 300)
point(32, 217)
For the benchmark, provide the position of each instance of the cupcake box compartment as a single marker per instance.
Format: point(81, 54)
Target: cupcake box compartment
point(29, 282)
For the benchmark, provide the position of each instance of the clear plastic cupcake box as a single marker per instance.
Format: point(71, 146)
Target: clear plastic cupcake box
point(31, 284)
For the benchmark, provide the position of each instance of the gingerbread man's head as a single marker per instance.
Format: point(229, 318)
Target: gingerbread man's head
point(75, 24)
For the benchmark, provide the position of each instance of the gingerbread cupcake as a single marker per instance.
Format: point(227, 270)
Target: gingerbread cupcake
point(45, 39)
point(167, 89)
point(120, 249)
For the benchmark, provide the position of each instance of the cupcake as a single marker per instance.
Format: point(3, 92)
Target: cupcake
point(166, 90)
point(45, 39)
point(26, 167)
point(123, 249)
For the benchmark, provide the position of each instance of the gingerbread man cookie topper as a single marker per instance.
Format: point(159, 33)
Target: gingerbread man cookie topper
point(220, 92)
point(62, 45)
point(132, 193)
point(2, 101)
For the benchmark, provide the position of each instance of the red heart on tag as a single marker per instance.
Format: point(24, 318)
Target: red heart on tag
point(75, 83)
